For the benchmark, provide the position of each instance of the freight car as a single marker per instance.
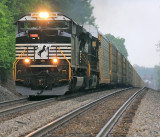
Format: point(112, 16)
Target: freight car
point(55, 55)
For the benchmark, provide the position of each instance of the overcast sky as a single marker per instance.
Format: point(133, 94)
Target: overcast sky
point(138, 21)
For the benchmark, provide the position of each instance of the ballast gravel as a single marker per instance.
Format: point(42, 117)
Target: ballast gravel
point(89, 123)
point(146, 122)
point(6, 95)
point(33, 120)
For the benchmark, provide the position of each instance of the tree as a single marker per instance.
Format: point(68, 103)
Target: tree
point(118, 43)
point(11, 11)
point(22, 7)
point(78, 10)
point(7, 40)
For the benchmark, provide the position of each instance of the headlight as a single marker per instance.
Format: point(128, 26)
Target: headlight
point(55, 60)
point(27, 60)
point(44, 15)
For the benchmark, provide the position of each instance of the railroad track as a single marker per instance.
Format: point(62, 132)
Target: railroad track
point(14, 108)
point(110, 124)
point(23, 107)
point(67, 118)
point(12, 102)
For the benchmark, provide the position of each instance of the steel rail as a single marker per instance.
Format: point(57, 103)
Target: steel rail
point(110, 124)
point(54, 124)
point(7, 103)
point(26, 106)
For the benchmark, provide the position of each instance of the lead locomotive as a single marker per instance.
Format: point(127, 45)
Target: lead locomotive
point(54, 55)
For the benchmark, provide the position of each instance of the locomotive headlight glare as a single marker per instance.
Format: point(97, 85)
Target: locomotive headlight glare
point(55, 60)
point(27, 61)
point(44, 15)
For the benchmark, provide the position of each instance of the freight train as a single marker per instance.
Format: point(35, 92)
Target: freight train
point(55, 55)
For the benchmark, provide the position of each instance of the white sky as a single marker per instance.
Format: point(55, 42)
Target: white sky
point(138, 21)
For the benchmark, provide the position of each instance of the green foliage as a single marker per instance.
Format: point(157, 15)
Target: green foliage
point(10, 11)
point(7, 40)
point(118, 43)
point(23, 7)
point(78, 10)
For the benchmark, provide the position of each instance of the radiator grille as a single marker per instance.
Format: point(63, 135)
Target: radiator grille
point(49, 52)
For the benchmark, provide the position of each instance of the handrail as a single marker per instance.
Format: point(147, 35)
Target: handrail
point(100, 65)
point(68, 63)
point(89, 65)
point(100, 56)
point(15, 63)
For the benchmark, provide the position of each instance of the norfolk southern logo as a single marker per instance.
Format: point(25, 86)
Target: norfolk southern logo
point(43, 49)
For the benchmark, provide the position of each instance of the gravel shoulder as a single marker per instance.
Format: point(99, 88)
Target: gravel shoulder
point(146, 122)
point(6, 95)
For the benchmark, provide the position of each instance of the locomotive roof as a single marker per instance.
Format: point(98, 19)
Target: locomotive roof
point(57, 16)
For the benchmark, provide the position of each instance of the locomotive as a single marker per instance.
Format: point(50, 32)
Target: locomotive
point(55, 55)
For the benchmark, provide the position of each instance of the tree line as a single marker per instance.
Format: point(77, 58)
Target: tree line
point(119, 43)
point(150, 75)
point(81, 11)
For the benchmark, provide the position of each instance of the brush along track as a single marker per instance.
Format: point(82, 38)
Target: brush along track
point(88, 123)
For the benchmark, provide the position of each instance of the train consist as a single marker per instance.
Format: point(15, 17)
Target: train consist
point(55, 55)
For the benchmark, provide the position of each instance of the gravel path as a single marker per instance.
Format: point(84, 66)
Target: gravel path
point(27, 122)
point(146, 122)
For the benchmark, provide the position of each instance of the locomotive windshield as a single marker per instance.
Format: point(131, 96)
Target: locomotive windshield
point(43, 25)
